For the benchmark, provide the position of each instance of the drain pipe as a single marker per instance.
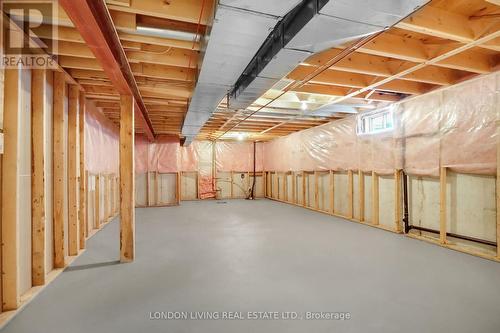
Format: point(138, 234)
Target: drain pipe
point(252, 193)
point(450, 234)
point(406, 215)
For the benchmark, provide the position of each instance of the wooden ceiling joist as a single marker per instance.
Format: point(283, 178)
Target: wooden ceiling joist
point(185, 10)
point(92, 20)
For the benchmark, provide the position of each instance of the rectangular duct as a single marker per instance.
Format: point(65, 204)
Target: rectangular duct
point(253, 44)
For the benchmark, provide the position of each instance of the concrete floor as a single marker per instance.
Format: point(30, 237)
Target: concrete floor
point(266, 256)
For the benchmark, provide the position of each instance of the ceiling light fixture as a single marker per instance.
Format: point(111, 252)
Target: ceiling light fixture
point(303, 106)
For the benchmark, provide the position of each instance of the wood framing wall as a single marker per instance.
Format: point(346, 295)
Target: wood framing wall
point(155, 189)
point(44, 183)
point(461, 204)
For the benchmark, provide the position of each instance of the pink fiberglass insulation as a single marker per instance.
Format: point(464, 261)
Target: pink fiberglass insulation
point(453, 127)
point(238, 156)
point(101, 142)
point(161, 156)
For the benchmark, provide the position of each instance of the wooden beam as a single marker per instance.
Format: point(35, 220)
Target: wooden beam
point(82, 212)
point(127, 174)
point(10, 190)
point(375, 199)
point(442, 205)
point(38, 217)
point(59, 156)
point(93, 21)
point(73, 171)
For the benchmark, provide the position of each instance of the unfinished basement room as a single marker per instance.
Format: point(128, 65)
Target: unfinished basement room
point(213, 166)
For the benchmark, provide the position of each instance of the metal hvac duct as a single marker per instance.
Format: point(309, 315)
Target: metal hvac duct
point(255, 43)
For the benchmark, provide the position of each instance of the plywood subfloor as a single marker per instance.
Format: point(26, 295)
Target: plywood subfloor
point(266, 256)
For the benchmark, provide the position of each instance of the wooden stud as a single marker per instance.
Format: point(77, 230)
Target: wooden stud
point(82, 216)
point(397, 200)
point(156, 188)
point(375, 199)
point(316, 191)
point(59, 153)
point(73, 171)
point(285, 195)
point(97, 202)
point(294, 188)
point(38, 111)
point(332, 198)
point(304, 189)
point(86, 182)
point(127, 186)
point(361, 184)
point(178, 188)
point(498, 167)
point(106, 198)
point(264, 178)
point(442, 206)
point(10, 190)
point(148, 186)
point(232, 180)
point(350, 185)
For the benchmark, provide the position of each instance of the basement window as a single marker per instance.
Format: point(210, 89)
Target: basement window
point(376, 122)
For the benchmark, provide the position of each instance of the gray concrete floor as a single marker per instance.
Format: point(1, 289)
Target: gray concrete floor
point(266, 256)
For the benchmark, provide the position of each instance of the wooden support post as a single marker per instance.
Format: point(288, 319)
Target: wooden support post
point(59, 153)
point(82, 215)
point(397, 200)
point(330, 188)
point(127, 186)
point(316, 191)
point(375, 199)
point(97, 202)
point(10, 190)
point(361, 185)
point(38, 132)
point(73, 171)
point(442, 206)
point(350, 185)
